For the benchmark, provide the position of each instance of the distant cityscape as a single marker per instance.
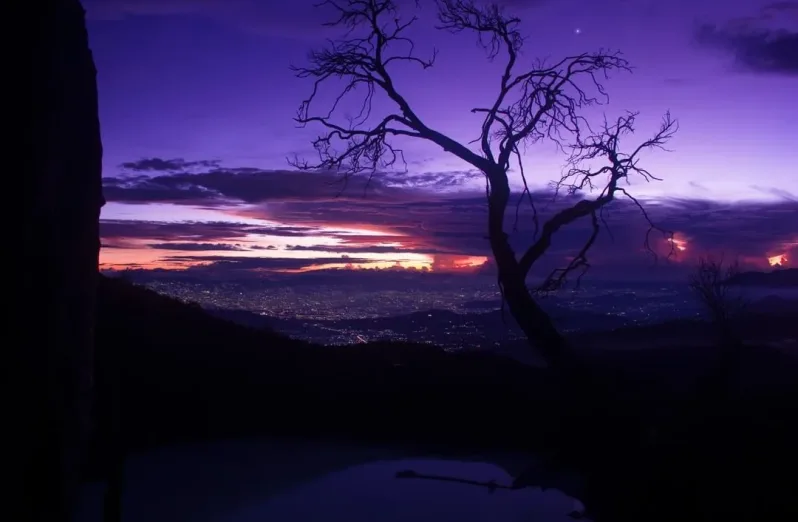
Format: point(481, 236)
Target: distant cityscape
point(450, 316)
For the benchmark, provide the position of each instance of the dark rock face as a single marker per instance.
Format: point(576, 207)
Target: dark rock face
point(59, 258)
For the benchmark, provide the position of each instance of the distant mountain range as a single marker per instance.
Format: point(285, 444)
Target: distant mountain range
point(781, 278)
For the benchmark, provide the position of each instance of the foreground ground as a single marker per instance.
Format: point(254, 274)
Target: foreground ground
point(634, 427)
point(281, 480)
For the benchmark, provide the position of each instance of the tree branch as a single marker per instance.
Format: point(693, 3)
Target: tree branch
point(711, 282)
point(495, 31)
point(541, 102)
point(579, 176)
point(544, 100)
point(374, 40)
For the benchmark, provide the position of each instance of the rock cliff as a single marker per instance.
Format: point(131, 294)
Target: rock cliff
point(63, 197)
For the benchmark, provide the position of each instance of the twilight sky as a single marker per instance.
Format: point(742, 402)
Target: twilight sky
point(197, 101)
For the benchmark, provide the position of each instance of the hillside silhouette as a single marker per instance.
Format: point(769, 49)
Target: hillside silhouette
point(772, 318)
point(780, 278)
point(186, 376)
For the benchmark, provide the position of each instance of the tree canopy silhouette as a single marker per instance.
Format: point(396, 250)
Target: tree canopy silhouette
point(540, 102)
point(712, 282)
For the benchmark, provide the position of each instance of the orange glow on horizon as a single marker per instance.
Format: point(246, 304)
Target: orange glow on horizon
point(449, 263)
point(373, 265)
point(346, 229)
point(466, 262)
point(138, 254)
point(779, 260)
point(679, 244)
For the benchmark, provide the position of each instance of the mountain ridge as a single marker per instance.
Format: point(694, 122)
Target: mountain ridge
point(779, 278)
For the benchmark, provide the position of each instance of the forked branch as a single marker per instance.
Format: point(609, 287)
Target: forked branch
point(360, 62)
point(712, 284)
point(375, 39)
point(582, 173)
point(540, 102)
point(543, 101)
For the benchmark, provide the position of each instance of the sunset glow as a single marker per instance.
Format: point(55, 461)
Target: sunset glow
point(199, 178)
point(779, 260)
point(678, 242)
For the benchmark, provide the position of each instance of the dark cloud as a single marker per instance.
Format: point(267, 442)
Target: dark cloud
point(400, 217)
point(167, 165)
point(159, 190)
point(374, 279)
point(217, 186)
point(755, 43)
point(194, 231)
point(220, 247)
point(222, 263)
point(746, 229)
point(374, 249)
point(292, 19)
point(785, 9)
point(775, 191)
point(299, 19)
point(699, 187)
point(456, 226)
point(360, 248)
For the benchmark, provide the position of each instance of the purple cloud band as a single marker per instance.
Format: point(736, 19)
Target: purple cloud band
point(424, 210)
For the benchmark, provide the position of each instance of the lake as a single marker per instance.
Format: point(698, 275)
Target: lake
point(277, 480)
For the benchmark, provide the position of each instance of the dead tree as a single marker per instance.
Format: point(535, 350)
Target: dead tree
point(542, 101)
point(712, 283)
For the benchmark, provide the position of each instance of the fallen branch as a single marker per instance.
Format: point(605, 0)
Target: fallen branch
point(491, 484)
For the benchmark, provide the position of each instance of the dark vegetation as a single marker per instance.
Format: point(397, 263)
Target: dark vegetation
point(782, 278)
point(186, 374)
point(766, 320)
point(653, 434)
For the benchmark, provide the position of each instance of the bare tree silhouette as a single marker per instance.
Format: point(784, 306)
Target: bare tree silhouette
point(539, 103)
point(711, 283)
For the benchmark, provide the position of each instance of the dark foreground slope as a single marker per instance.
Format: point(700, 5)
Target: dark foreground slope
point(185, 374)
point(644, 446)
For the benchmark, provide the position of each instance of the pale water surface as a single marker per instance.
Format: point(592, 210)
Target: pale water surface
point(276, 481)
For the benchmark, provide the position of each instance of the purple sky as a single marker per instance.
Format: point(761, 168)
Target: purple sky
point(208, 81)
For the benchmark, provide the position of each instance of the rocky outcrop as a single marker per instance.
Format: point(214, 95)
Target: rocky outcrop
point(63, 197)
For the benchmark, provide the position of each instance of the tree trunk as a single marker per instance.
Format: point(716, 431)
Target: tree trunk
point(531, 318)
point(60, 257)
